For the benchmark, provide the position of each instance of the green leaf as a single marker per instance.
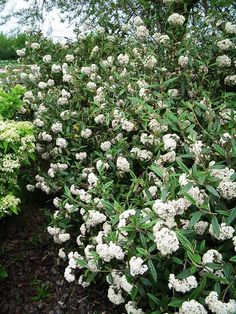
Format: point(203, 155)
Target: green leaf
point(152, 270)
point(177, 260)
point(194, 258)
point(219, 149)
point(184, 274)
point(233, 259)
point(212, 190)
point(158, 171)
point(143, 240)
point(232, 216)
point(215, 226)
point(194, 219)
point(136, 100)
point(184, 241)
point(3, 272)
point(154, 299)
point(168, 82)
point(107, 185)
point(134, 293)
point(176, 303)
point(196, 292)
point(141, 251)
point(182, 166)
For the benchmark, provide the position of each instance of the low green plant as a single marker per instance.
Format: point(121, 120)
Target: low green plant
point(3, 272)
point(41, 290)
point(11, 101)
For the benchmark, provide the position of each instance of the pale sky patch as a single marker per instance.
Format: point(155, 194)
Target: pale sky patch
point(52, 26)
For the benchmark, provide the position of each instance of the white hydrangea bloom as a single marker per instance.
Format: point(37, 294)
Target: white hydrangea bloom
point(226, 232)
point(136, 266)
point(184, 285)
point(122, 164)
point(166, 240)
point(211, 256)
point(230, 28)
point(123, 59)
point(47, 58)
point(223, 61)
point(183, 61)
point(115, 296)
point(109, 251)
point(176, 19)
point(142, 32)
point(86, 133)
point(131, 308)
point(192, 307)
point(219, 307)
point(225, 44)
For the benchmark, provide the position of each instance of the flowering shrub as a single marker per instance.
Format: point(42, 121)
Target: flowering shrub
point(137, 134)
point(16, 148)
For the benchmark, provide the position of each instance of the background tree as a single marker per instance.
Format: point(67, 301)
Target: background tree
point(112, 13)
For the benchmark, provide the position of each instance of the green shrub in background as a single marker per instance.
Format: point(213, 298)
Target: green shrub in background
point(16, 148)
point(9, 45)
point(11, 102)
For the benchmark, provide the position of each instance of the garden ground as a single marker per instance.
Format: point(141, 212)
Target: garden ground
point(35, 282)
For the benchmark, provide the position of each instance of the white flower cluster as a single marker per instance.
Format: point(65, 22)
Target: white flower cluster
point(230, 80)
point(165, 239)
point(136, 266)
point(170, 141)
point(122, 164)
point(223, 61)
point(170, 209)
point(176, 19)
point(230, 28)
point(184, 285)
point(211, 256)
point(226, 187)
point(118, 283)
point(131, 308)
point(58, 234)
point(150, 62)
point(161, 38)
point(192, 307)
point(109, 251)
point(225, 44)
point(183, 61)
point(219, 307)
point(226, 232)
point(94, 218)
point(123, 59)
point(142, 32)
point(142, 154)
point(234, 242)
point(69, 271)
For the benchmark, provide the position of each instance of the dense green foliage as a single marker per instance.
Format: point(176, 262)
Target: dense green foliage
point(9, 45)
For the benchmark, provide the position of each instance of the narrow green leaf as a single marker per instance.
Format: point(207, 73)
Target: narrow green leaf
point(232, 216)
point(158, 171)
point(195, 218)
point(152, 270)
point(154, 299)
point(212, 190)
point(215, 226)
point(233, 259)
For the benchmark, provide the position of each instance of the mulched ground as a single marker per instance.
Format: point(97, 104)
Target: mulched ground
point(35, 282)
